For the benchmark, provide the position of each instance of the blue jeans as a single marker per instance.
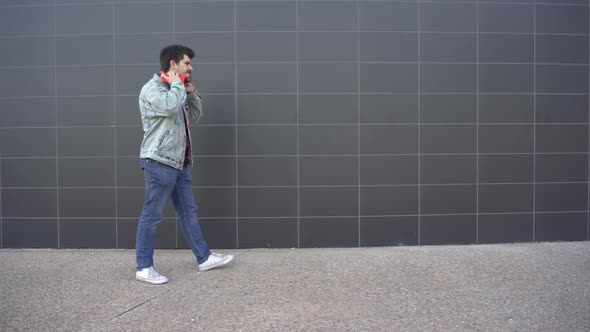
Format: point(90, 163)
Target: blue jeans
point(163, 182)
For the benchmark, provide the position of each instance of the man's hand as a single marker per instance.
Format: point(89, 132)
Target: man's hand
point(190, 88)
point(172, 77)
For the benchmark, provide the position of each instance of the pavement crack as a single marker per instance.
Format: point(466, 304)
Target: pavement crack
point(142, 303)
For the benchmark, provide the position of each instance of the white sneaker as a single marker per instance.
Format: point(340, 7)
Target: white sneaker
point(215, 260)
point(150, 275)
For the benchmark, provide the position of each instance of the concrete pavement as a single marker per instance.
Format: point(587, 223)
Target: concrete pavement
point(504, 287)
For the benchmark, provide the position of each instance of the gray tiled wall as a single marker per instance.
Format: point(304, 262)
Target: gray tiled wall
point(328, 123)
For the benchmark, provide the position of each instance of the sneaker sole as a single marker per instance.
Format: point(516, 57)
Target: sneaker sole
point(222, 263)
point(151, 282)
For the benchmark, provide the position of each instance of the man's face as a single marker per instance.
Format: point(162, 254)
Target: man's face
point(183, 67)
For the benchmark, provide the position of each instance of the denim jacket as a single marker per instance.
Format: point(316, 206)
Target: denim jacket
point(161, 108)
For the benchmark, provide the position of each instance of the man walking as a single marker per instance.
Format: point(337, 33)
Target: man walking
point(166, 103)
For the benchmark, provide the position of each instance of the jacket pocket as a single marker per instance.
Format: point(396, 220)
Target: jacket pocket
point(163, 139)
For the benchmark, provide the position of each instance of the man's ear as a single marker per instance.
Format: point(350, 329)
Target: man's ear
point(173, 64)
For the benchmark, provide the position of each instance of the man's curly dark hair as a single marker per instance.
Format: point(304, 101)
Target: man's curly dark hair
point(173, 52)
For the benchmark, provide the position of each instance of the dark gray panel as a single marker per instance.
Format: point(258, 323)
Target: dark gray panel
point(210, 47)
point(329, 232)
point(506, 17)
point(327, 108)
point(448, 169)
point(459, 229)
point(28, 2)
point(40, 51)
point(88, 233)
point(498, 108)
point(388, 46)
point(561, 227)
point(131, 78)
point(24, 142)
point(448, 139)
point(97, 80)
point(267, 171)
point(126, 232)
point(562, 49)
point(327, 46)
point(86, 111)
point(42, 77)
point(84, 19)
point(213, 140)
point(506, 47)
point(267, 109)
point(127, 111)
point(562, 79)
point(448, 78)
point(256, 16)
point(561, 168)
point(448, 199)
point(144, 17)
point(448, 17)
point(85, 202)
point(267, 140)
point(268, 233)
point(506, 138)
point(141, 48)
point(219, 233)
point(506, 168)
point(18, 203)
point(129, 173)
point(12, 18)
point(448, 108)
point(218, 109)
point(335, 201)
point(377, 139)
point(216, 202)
point(76, 142)
point(205, 16)
point(29, 172)
point(448, 47)
point(388, 16)
point(315, 171)
point(214, 78)
point(70, 2)
point(275, 78)
point(579, 2)
point(506, 78)
point(267, 202)
point(561, 19)
point(84, 50)
point(328, 139)
point(29, 233)
point(130, 203)
point(505, 198)
point(505, 228)
point(86, 172)
point(327, 15)
point(389, 231)
point(389, 108)
point(561, 108)
point(388, 77)
point(377, 170)
point(129, 140)
point(383, 200)
point(328, 77)
point(266, 46)
point(214, 171)
point(39, 112)
point(562, 138)
point(561, 197)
